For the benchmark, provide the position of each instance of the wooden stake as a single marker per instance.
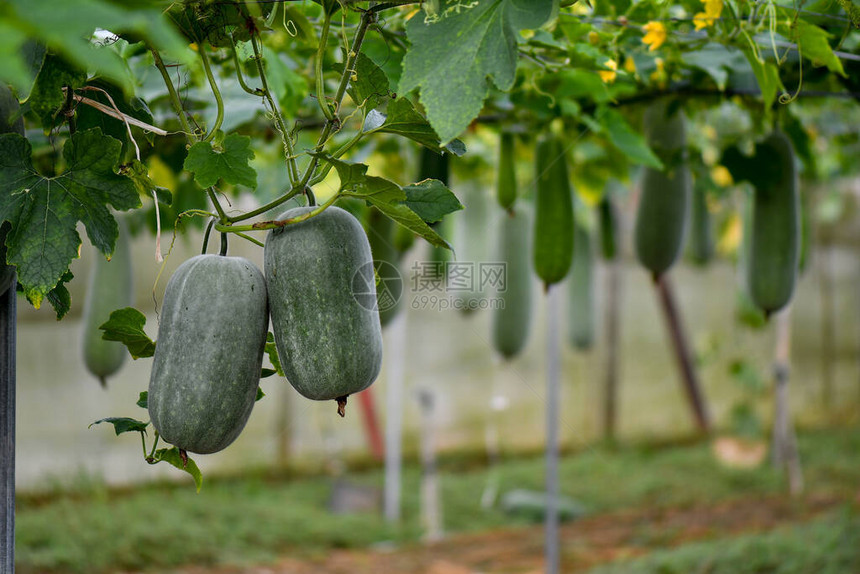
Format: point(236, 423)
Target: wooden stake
point(689, 377)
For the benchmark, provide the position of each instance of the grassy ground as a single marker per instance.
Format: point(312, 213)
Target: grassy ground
point(259, 518)
point(830, 545)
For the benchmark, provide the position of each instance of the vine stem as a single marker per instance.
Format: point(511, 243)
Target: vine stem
point(318, 68)
point(221, 215)
point(263, 209)
point(292, 169)
point(219, 101)
point(367, 18)
point(171, 90)
point(275, 224)
point(177, 107)
point(239, 75)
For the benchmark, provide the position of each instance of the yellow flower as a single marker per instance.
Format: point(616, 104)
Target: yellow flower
point(655, 35)
point(630, 66)
point(721, 176)
point(608, 76)
point(730, 236)
point(713, 9)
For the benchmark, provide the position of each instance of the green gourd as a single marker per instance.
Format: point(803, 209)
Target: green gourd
point(472, 246)
point(506, 185)
point(553, 229)
point(322, 296)
point(580, 291)
point(774, 246)
point(8, 108)
point(661, 218)
point(511, 321)
point(608, 219)
point(381, 233)
point(209, 353)
point(701, 242)
point(110, 288)
point(435, 166)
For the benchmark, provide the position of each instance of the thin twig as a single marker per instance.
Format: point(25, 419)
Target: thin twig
point(107, 110)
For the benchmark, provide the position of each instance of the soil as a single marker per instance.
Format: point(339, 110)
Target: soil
point(585, 543)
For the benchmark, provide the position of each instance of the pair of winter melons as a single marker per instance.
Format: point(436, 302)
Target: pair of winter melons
point(215, 318)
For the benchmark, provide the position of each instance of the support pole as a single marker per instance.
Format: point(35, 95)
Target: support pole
point(612, 318)
point(553, 398)
point(431, 504)
point(828, 325)
point(7, 429)
point(785, 453)
point(689, 377)
point(394, 383)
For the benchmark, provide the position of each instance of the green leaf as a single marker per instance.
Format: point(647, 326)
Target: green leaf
point(431, 200)
point(271, 351)
point(14, 70)
point(89, 117)
point(386, 195)
point(401, 213)
point(404, 120)
point(44, 212)
point(623, 137)
point(143, 400)
point(766, 74)
point(173, 457)
point(67, 31)
point(126, 326)
point(370, 84)
point(138, 173)
point(453, 58)
point(59, 297)
point(355, 182)
point(230, 163)
point(716, 61)
point(47, 96)
point(260, 393)
point(812, 44)
point(123, 424)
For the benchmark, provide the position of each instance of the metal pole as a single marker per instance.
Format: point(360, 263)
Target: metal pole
point(431, 507)
point(553, 398)
point(394, 383)
point(613, 313)
point(7, 429)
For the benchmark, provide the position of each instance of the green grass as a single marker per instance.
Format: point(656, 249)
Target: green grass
point(255, 518)
point(830, 545)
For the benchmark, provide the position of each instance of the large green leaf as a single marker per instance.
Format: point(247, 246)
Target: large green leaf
point(812, 43)
point(630, 142)
point(431, 200)
point(66, 28)
point(180, 460)
point(229, 163)
point(44, 211)
point(766, 73)
point(124, 424)
point(390, 198)
point(47, 97)
point(401, 118)
point(453, 57)
point(126, 326)
point(370, 84)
